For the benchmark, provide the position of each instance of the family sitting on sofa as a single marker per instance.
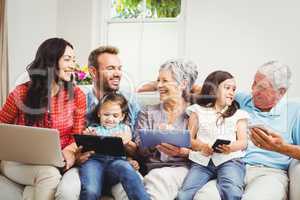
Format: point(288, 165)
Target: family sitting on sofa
point(263, 129)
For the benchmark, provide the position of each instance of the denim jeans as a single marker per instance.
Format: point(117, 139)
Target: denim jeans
point(105, 171)
point(230, 179)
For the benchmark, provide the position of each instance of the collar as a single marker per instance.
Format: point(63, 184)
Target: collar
point(276, 111)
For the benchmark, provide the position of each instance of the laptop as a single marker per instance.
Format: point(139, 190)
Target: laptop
point(30, 145)
point(103, 145)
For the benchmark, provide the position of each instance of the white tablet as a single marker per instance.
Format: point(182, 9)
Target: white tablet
point(151, 138)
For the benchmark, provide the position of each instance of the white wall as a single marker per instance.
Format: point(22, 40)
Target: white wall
point(143, 48)
point(233, 35)
point(74, 23)
point(239, 36)
point(29, 23)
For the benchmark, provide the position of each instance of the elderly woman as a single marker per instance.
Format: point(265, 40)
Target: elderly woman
point(167, 164)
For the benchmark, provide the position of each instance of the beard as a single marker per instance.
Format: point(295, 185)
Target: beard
point(105, 87)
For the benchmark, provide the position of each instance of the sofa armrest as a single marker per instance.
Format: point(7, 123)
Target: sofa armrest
point(294, 175)
point(10, 190)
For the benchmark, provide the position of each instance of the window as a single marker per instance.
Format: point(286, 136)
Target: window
point(139, 9)
point(148, 32)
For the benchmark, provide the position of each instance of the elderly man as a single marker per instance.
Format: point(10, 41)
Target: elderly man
point(106, 70)
point(275, 136)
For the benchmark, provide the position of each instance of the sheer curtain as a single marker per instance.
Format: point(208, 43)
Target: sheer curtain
point(3, 54)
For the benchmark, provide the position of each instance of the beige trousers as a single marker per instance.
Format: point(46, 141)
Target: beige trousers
point(164, 183)
point(261, 183)
point(40, 181)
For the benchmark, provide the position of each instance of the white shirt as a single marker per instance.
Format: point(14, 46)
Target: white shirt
point(209, 132)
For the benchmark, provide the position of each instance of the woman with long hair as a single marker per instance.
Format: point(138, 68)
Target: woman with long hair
point(48, 100)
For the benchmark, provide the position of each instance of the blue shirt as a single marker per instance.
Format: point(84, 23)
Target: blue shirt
point(103, 131)
point(284, 118)
point(134, 108)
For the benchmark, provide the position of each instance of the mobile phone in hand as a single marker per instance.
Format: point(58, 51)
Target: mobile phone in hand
point(263, 127)
point(219, 142)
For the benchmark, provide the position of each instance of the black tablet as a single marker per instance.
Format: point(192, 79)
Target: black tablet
point(104, 145)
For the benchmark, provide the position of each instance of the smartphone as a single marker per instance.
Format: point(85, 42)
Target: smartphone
point(219, 142)
point(260, 126)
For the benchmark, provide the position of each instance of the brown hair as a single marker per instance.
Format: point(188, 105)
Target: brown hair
point(111, 97)
point(208, 94)
point(42, 71)
point(101, 50)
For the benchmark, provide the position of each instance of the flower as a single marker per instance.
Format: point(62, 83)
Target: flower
point(85, 68)
point(82, 75)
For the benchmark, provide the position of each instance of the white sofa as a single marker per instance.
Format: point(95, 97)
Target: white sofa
point(12, 191)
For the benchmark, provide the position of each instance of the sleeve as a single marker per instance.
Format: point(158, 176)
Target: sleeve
point(9, 111)
point(242, 114)
point(79, 112)
point(296, 130)
point(135, 109)
point(241, 98)
point(142, 123)
point(193, 108)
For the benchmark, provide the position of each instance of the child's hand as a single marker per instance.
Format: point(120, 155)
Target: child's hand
point(130, 145)
point(134, 164)
point(126, 137)
point(206, 150)
point(89, 131)
point(226, 149)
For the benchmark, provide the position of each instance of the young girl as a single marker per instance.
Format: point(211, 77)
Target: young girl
point(102, 170)
point(216, 116)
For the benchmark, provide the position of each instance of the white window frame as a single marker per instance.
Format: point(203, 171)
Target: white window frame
point(102, 19)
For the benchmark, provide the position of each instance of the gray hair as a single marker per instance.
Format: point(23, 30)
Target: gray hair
point(279, 74)
point(182, 70)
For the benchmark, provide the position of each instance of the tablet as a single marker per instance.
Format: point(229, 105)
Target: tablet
point(103, 145)
point(151, 138)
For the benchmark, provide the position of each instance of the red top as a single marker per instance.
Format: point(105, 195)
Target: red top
point(67, 116)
